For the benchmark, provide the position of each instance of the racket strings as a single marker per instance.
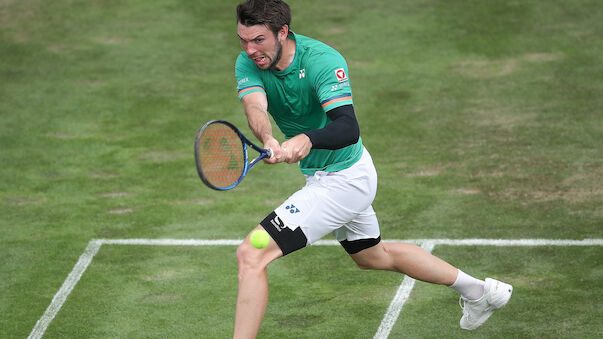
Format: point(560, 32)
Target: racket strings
point(221, 155)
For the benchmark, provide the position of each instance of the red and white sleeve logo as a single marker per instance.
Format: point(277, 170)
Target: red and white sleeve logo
point(340, 74)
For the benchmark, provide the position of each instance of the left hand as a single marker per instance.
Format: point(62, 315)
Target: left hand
point(296, 148)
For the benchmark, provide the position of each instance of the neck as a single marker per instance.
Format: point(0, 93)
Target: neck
point(287, 56)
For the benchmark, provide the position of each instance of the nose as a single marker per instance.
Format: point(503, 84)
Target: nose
point(248, 48)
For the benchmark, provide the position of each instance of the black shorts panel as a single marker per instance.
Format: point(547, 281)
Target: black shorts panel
point(355, 246)
point(288, 240)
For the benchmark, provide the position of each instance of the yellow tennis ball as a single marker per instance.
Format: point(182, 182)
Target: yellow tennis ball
point(259, 239)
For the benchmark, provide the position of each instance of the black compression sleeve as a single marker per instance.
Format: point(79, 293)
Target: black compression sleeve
point(341, 132)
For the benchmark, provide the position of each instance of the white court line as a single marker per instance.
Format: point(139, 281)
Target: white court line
point(172, 242)
point(68, 285)
point(388, 321)
point(395, 307)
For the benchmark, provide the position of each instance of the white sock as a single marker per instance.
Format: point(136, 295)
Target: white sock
point(469, 287)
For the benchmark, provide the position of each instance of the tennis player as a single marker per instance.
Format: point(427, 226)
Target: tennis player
point(305, 86)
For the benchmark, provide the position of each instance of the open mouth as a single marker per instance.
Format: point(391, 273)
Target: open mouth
point(261, 60)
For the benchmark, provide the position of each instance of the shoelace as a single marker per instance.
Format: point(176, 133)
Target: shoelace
point(462, 305)
point(466, 314)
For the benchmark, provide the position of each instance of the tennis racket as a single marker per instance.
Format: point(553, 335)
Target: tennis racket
point(221, 155)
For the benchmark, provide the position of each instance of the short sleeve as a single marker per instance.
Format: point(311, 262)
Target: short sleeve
point(248, 76)
point(329, 74)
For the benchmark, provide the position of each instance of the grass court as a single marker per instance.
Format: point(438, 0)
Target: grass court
point(484, 120)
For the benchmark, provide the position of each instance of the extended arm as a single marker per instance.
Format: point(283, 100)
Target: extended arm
point(256, 109)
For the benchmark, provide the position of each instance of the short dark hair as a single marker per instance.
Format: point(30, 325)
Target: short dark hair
point(273, 14)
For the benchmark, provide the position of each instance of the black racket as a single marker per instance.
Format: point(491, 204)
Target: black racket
point(221, 155)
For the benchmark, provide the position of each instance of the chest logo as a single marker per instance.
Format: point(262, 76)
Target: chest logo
point(302, 73)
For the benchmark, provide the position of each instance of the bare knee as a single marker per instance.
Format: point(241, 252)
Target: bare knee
point(253, 261)
point(248, 258)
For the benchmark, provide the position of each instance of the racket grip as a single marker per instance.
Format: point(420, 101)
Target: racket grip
point(270, 153)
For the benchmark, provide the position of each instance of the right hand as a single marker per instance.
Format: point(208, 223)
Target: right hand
point(278, 153)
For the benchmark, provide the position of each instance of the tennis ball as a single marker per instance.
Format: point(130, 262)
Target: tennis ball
point(259, 239)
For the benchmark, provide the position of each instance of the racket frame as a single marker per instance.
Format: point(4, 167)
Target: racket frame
point(264, 153)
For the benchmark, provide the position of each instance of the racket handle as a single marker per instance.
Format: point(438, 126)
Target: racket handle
point(270, 153)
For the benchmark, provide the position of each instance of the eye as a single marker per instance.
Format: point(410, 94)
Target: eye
point(259, 40)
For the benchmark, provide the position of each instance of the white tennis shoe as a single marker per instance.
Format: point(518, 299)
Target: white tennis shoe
point(476, 312)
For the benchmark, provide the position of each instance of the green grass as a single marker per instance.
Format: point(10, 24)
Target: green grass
point(484, 119)
point(552, 298)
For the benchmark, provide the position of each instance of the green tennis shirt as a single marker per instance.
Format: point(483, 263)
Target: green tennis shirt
point(299, 97)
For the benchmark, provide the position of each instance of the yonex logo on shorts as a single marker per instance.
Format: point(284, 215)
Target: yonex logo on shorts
point(292, 209)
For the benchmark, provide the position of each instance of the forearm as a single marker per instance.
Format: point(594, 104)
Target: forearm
point(259, 125)
point(256, 109)
point(341, 132)
point(257, 117)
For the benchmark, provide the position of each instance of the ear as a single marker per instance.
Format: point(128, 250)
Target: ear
point(283, 32)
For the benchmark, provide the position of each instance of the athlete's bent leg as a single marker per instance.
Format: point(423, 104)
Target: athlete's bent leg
point(253, 286)
point(480, 298)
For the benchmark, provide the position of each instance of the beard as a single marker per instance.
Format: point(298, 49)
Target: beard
point(277, 57)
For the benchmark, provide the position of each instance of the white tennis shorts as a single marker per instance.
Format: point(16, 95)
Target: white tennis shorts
point(335, 202)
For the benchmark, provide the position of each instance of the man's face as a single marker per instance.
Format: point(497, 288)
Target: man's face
point(261, 45)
